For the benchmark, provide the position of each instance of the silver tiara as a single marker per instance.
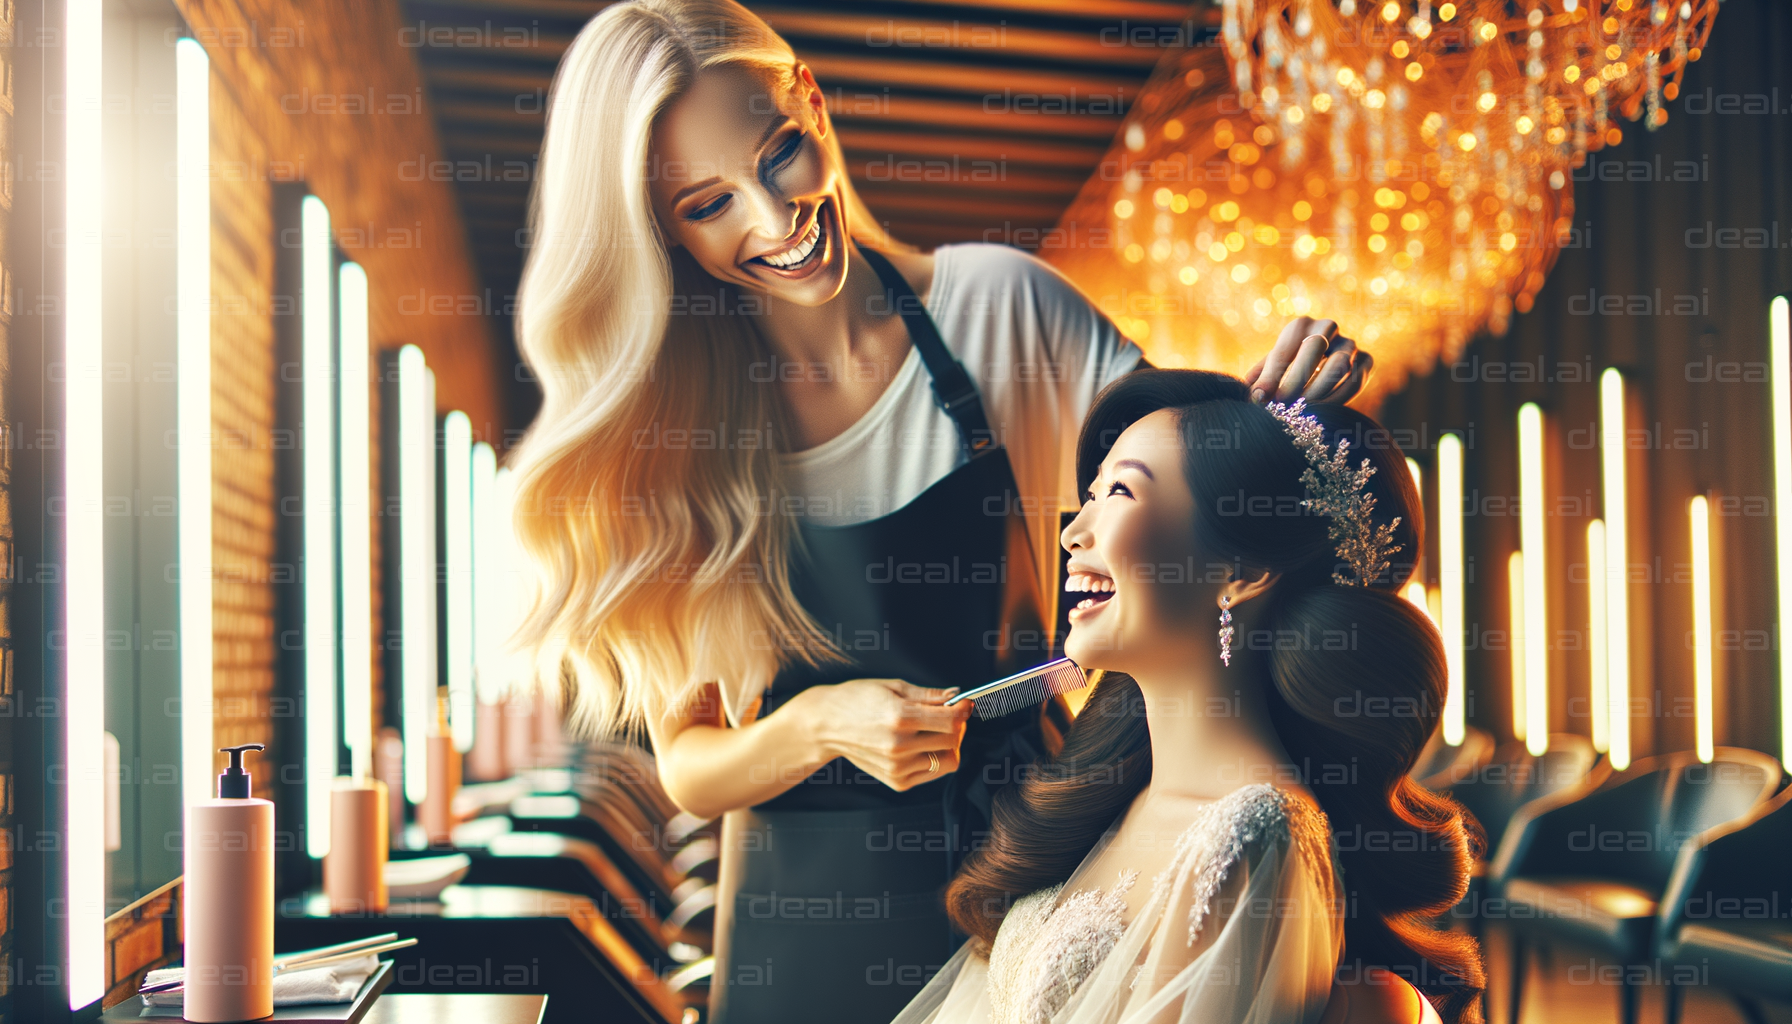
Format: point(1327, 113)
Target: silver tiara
point(1337, 492)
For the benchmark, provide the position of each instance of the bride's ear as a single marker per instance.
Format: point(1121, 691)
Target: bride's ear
point(1246, 584)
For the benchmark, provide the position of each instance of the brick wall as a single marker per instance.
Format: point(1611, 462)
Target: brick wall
point(327, 95)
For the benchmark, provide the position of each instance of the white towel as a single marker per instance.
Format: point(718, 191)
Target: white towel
point(332, 983)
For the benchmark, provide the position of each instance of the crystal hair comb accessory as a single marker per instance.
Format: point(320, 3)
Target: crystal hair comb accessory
point(1336, 491)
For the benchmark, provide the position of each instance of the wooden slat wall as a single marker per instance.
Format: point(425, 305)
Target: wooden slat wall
point(1651, 244)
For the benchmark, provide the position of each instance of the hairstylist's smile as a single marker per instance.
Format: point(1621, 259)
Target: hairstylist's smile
point(1098, 587)
point(795, 261)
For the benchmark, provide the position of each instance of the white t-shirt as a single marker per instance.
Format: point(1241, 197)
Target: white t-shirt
point(1039, 353)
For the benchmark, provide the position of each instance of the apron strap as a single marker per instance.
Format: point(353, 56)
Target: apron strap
point(952, 386)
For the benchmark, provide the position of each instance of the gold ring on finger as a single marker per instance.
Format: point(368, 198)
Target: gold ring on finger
point(933, 762)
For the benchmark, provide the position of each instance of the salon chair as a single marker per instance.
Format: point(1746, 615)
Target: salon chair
point(1495, 791)
point(1727, 917)
point(1440, 764)
point(1591, 870)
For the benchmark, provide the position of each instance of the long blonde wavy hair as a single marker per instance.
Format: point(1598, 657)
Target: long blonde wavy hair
point(647, 485)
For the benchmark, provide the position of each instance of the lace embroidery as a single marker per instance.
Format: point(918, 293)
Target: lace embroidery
point(1045, 951)
point(1059, 946)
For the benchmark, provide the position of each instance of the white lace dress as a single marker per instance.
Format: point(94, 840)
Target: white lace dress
point(1244, 925)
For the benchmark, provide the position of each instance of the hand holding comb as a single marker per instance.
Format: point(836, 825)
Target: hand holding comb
point(1024, 689)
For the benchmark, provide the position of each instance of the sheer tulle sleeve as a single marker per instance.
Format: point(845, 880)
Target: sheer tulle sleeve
point(1245, 927)
point(959, 993)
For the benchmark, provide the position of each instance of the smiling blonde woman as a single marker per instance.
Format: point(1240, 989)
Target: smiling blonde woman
point(791, 483)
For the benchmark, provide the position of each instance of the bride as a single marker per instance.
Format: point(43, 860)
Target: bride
point(1228, 831)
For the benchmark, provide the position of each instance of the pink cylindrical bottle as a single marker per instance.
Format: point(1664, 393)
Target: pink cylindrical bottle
point(355, 868)
point(485, 762)
point(436, 813)
point(229, 897)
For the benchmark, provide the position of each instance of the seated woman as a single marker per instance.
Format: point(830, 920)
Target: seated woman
point(1229, 831)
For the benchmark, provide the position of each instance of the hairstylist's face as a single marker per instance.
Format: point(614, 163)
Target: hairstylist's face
point(740, 178)
point(1135, 576)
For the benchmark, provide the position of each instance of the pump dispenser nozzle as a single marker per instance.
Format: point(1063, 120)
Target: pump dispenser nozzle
point(234, 783)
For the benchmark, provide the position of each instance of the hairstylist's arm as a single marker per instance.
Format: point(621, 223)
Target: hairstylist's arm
point(1310, 360)
point(884, 726)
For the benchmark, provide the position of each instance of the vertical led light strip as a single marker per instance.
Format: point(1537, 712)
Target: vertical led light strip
point(1453, 613)
point(84, 590)
point(1779, 340)
point(1515, 605)
point(353, 357)
point(1612, 449)
point(508, 667)
point(193, 413)
point(1415, 587)
point(457, 531)
point(486, 573)
point(1414, 592)
point(1699, 512)
point(1418, 486)
point(1598, 643)
point(1536, 612)
point(318, 406)
point(417, 559)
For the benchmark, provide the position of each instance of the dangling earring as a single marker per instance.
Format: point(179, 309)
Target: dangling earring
point(1225, 630)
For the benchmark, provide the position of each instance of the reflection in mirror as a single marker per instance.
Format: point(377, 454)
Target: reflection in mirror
point(136, 387)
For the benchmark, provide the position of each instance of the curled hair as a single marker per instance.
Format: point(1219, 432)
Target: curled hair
point(1239, 458)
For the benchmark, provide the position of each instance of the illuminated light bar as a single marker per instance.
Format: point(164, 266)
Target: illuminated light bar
point(486, 574)
point(1780, 338)
point(457, 530)
point(354, 353)
point(1536, 613)
point(1415, 588)
point(1415, 595)
point(1516, 646)
point(193, 412)
point(318, 401)
point(1699, 512)
point(508, 667)
point(1452, 617)
point(1613, 447)
point(84, 589)
point(417, 564)
point(1598, 698)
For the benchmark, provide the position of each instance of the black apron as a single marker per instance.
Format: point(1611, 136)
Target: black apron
point(831, 894)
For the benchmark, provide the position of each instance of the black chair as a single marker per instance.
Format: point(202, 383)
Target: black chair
point(1495, 791)
point(1591, 870)
point(1726, 920)
point(1439, 764)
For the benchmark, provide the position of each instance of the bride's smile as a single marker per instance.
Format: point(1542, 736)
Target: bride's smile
point(1134, 519)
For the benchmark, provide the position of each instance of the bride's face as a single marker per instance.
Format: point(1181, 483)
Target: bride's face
point(740, 178)
point(1134, 569)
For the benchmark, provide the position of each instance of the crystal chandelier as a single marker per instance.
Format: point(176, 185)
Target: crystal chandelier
point(1399, 167)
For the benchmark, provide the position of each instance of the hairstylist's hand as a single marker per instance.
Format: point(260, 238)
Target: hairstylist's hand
point(887, 727)
point(1310, 360)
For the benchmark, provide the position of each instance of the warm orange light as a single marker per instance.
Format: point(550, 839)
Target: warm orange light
point(1328, 146)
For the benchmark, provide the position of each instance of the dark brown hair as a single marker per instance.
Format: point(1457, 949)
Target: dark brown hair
point(1239, 459)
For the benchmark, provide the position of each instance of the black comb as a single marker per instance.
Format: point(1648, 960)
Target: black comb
point(1024, 689)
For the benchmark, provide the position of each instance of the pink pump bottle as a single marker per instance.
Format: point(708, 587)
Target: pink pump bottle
point(229, 896)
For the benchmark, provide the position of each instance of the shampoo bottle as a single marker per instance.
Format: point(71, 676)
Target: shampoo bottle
point(230, 902)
